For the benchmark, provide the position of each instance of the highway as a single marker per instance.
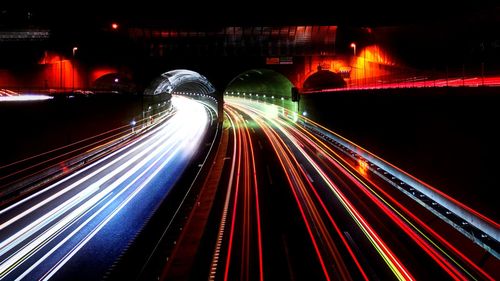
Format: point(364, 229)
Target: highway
point(300, 206)
point(76, 228)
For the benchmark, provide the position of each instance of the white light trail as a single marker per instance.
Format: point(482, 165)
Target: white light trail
point(128, 169)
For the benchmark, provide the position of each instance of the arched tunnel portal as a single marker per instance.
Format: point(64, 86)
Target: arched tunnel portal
point(181, 82)
point(323, 79)
point(262, 84)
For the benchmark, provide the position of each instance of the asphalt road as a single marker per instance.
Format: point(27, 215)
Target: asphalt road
point(299, 207)
point(77, 227)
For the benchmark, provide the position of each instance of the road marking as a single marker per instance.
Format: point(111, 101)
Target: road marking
point(269, 174)
point(307, 174)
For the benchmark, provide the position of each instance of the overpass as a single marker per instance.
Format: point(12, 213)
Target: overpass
point(297, 52)
point(128, 59)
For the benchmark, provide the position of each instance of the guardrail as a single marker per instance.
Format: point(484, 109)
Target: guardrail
point(29, 174)
point(487, 232)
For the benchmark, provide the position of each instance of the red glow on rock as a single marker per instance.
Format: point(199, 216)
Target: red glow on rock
point(50, 58)
point(99, 72)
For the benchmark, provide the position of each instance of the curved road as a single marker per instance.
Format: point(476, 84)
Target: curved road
point(77, 227)
point(299, 207)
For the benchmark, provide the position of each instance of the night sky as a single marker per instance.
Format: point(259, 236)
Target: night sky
point(434, 33)
point(209, 13)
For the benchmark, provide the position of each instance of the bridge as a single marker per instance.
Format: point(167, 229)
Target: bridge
point(310, 57)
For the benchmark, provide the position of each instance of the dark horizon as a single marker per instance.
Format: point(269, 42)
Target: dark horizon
point(257, 13)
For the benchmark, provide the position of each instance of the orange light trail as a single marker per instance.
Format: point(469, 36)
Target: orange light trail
point(246, 175)
point(493, 223)
point(293, 177)
point(375, 198)
point(424, 236)
point(430, 247)
point(392, 260)
point(290, 178)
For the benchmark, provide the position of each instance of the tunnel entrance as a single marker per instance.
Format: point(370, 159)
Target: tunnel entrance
point(114, 82)
point(261, 82)
point(324, 79)
point(181, 82)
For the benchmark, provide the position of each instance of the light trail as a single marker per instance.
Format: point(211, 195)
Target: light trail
point(423, 82)
point(382, 248)
point(43, 232)
point(488, 231)
point(392, 206)
point(325, 161)
point(245, 214)
point(18, 98)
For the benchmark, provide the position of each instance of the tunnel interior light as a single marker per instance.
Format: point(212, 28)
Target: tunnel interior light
point(116, 80)
point(114, 26)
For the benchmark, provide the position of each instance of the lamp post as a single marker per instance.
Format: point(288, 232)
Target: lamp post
point(132, 124)
point(73, 68)
point(353, 45)
point(364, 64)
point(60, 73)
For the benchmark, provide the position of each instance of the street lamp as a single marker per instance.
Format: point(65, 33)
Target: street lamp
point(353, 45)
point(133, 125)
point(73, 68)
